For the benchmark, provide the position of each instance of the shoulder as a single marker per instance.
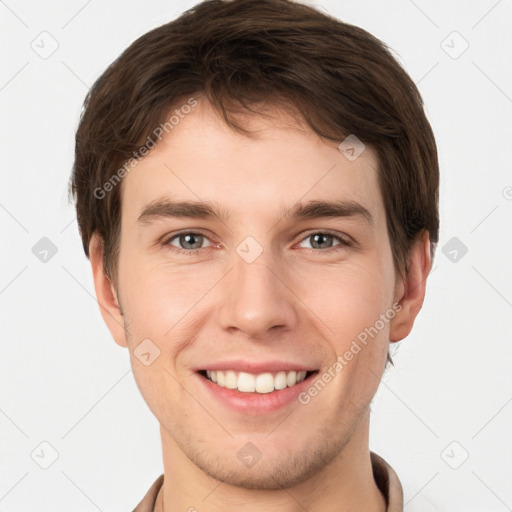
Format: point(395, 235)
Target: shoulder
point(401, 495)
point(388, 482)
point(148, 502)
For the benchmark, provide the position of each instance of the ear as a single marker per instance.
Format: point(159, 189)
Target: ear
point(411, 290)
point(106, 293)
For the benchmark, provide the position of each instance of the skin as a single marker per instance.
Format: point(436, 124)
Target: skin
point(294, 302)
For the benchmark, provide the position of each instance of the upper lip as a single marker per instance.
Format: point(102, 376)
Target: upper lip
point(256, 367)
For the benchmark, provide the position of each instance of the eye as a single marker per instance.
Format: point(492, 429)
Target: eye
point(325, 241)
point(188, 242)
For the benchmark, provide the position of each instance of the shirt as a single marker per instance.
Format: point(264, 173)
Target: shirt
point(385, 477)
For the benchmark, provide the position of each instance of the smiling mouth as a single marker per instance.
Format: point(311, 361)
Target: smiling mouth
point(267, 382)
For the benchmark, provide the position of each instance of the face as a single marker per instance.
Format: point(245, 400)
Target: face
point(256, 288)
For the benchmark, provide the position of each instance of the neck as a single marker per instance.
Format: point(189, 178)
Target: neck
point(345, 484)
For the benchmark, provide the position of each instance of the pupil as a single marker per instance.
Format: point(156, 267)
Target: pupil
point(188, 238)
point(319, 237)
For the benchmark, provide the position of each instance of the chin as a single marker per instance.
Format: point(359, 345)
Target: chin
point(282, 470)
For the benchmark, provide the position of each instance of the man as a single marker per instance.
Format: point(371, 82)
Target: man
point(256, 186)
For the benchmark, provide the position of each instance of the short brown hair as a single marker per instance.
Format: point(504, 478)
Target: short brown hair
point(243, 53)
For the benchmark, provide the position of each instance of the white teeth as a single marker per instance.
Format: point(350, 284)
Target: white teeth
point(291, 378)
point(246, 382)
point(265, 383)
point(280, 380)
point(261, 383)
point(231, 381)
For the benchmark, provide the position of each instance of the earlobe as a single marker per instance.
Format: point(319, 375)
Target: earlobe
point(106, 294)
point(413, 288)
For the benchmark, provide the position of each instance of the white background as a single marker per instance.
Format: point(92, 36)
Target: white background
point(64, 381)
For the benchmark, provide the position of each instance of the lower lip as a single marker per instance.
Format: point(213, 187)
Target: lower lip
point(256, 403)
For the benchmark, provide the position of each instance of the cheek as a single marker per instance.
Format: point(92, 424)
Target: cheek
point(157, 384)
point(347, 299)
point(158, 296)
point(351, 304)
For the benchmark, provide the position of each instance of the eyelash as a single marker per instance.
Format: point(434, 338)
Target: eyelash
point(343, 242)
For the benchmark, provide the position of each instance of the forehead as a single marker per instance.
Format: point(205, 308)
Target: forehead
point(282, 163)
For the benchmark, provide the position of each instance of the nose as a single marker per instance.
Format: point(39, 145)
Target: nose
point(256, 299)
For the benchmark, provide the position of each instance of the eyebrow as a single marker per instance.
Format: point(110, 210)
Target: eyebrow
point(166, 208)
